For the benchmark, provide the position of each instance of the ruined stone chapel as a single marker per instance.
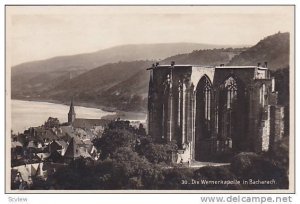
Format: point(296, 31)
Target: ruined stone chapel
point(211, 110)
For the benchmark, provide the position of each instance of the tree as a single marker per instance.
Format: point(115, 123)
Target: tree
point(158, 153)
point(112, 139)
point(118, 134)
point(279, 156)
point(174, 178)
point(242, 162)
point(247, 165)
point(141, 130)
point(127, 164)
point(280, 153)
point(215, 173)
point(52, 123)
point(80, 174)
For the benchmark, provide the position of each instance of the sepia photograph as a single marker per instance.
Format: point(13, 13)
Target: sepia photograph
point(144, 99)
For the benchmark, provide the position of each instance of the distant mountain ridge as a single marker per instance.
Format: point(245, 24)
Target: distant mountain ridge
point(33, 78)
point(130, 52)
point(123, 85)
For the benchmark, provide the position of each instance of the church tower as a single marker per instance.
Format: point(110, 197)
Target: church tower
point(71, 114)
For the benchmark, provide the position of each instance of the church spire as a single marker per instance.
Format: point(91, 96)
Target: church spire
point(71, 114)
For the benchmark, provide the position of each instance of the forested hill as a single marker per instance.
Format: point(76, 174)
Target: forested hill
point(212, 57)
point(124, 85)
point(274, 49)
point(31, 79)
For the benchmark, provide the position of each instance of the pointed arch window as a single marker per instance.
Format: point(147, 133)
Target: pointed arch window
point(262, 95)
point(231, 87)
point(179, 111)
point(207, 98)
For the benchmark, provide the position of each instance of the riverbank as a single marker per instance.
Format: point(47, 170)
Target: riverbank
point(124, 115)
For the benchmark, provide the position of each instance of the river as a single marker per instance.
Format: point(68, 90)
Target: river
point(27, 114)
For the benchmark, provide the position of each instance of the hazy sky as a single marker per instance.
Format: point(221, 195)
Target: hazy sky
point(35, 33)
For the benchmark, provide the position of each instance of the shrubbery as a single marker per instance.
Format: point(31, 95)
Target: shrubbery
point(177, 178)
point(217, 173)
point(248, 166)
point(130, 160)
point(158, 153)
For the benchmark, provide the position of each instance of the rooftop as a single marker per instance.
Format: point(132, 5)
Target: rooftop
point(89, 123)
